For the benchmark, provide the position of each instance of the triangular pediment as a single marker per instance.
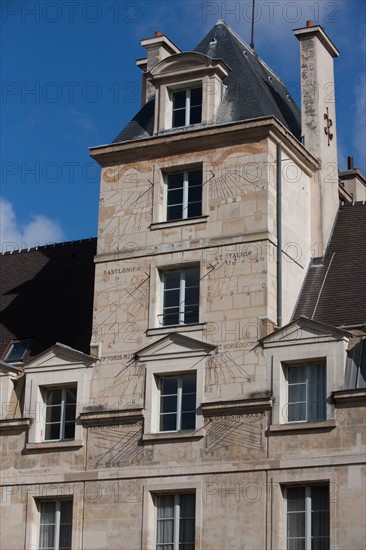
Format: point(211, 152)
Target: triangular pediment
point(175, 345)
point(59, 356)
point(304, 331)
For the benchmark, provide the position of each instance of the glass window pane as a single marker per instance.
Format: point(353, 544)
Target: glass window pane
point(175, 197)
point(171, 298)
point(188, 421)
point(194, 210)
point(194, 194)
point(172, 279)
point(53, 413)
point(189, 402)
point(179, 118)
point(296, 374)
point(70, 411)
point(169, 385)
point(195, 178)
point(70, 395)
point(168, 404)
point(69, 431)
point(179, 99)
point(195, 115)
point(53, 397)
point(171, 317)
point(52, 431)
point(175, 181)
point(191, 315)
point(196, 96)
point(168, 422)
point(296, 499)
point(174, 213)
point(189, 383)
point(297, 393)
point(192, 276)
point(192, 296)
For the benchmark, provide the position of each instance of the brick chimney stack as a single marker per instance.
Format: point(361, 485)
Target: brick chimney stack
point(158, 48)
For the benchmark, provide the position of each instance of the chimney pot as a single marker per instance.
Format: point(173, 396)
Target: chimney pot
point(158, 33)
point(310, 23)
point(350, 163)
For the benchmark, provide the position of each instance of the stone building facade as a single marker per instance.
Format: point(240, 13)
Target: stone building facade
point(220, 404)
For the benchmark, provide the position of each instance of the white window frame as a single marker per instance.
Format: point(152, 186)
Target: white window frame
point(178, 400)
point(187, 107)
point(308, 513)
point(57, 522)
point(182, 295)
point(185, 203)
point(309, 399)
point(62, 421)
point(176, 519)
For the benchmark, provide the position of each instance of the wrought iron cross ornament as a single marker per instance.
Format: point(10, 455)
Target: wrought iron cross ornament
point(328, 126)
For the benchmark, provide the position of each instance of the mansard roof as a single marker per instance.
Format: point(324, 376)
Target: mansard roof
point(253, 89)
point(47, 296)
point(334, 291)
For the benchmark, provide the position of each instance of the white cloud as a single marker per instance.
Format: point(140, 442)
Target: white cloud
point(14, 235)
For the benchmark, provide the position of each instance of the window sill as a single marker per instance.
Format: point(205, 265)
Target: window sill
point(174, 328)
point(173, 436)
point(178, 223)
point(54, 445)
point(323, 425)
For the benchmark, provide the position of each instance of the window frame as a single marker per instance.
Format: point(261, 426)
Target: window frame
point(309, 396)
point(187, 106)
point(308, 514)
point(179, 401)
point(26, 342)
point(185, 192)
point(57, 523)
point(63, 404)
point(176, 542)
point(163, 272)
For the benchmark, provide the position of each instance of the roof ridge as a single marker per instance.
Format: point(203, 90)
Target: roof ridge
point(45, 246)
point(251, 51)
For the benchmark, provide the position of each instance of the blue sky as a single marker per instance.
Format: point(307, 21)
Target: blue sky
point(69, 81)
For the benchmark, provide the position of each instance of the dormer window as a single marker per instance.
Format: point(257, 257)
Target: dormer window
point(187, 107)
point(17, 351)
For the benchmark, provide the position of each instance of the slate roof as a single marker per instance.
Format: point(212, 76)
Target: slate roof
point(334, 291)
point(47, 296)
point(253, 90)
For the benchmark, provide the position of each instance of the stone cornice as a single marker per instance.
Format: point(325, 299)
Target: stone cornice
point(239, 406)
point(355, 397)
point(203, 138)
point(105, 418)
point(13, 424)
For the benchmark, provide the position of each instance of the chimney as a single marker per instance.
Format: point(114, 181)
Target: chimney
point(158, 48)
point(318, 121)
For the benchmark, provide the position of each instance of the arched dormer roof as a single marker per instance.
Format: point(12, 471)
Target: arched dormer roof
point(188, 63)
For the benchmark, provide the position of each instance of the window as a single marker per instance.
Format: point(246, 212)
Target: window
point(180, 296)
point(60, 414)
point(55, 525)
point(175, 522)
point(177, 404)
point(307, 518)
point(17, 351)
point(187, 107)
point(306, 392)
point(184, 195)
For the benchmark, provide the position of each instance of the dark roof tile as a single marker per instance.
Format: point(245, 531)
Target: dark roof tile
point(253, 90)
point(335, 292)
point(47, 296)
